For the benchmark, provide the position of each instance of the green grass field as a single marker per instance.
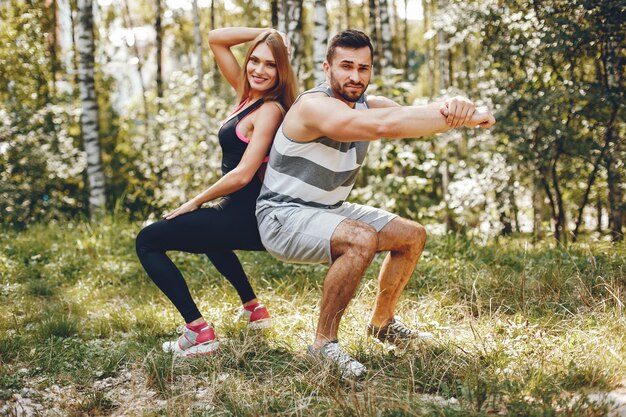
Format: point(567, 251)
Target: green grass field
point(521, 330)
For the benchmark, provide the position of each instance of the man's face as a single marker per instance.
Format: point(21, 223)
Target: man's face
point(350, 72)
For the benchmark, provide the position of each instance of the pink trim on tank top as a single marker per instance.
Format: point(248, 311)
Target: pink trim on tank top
point(237, 132)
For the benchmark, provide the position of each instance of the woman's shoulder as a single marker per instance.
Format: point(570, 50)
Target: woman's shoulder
point(273, 106)
point(269, 111)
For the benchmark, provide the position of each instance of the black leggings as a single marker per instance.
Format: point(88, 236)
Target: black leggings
point(215, 232)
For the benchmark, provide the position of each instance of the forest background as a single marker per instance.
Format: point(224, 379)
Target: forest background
point(108, 117)
point(552, 71)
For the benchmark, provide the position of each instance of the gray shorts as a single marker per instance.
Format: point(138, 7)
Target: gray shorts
point(301, 234)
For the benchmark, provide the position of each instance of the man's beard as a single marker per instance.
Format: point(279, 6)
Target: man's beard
point(340, 89)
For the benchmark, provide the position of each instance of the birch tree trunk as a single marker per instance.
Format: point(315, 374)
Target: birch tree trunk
point(293, 19)
point(204, 117)
point(385, 36)
point(347, 16)
point(129, 23)
point(320, 37)
point(282, 16)
point(89, 106)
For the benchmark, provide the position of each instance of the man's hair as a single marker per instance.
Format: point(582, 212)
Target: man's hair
point(350, 38)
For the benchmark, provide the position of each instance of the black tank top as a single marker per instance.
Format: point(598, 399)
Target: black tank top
point(232, 142)
point(233, 145)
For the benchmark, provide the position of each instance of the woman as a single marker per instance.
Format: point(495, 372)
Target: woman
point(267, 88)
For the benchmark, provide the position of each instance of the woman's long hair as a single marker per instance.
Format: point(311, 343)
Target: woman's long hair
point(285, 89)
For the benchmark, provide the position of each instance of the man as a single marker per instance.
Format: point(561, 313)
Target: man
point(313, 164)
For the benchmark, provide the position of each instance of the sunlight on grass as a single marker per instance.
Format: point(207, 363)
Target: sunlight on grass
point(526, 330)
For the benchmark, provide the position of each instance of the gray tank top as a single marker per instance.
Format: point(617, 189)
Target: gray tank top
point(320, 173)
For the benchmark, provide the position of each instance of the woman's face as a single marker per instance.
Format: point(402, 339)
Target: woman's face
point(261, 69)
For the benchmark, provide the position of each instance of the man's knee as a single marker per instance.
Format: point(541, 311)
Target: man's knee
point(366, 242)
point(355, 239)
point(419, 235)
point(410, 234)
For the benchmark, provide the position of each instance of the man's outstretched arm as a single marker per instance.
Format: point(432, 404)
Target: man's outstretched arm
point(330, 117)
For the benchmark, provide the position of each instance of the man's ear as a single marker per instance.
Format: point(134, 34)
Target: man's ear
point(326, 68)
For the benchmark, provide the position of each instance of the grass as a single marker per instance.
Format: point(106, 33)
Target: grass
point(521, 330)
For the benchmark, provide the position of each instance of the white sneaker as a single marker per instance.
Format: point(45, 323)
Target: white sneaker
point(350, 367)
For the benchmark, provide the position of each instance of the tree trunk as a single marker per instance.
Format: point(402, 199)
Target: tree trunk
point(53, 36)
point(293, 19)
point(129, 23)
point(537, 209)
point(405, 40)
point(599, 214)
point(514, 207)
point(274, 11)
point(89, 106)
point(428, 53)
point(204, 116)
point(216, 70)
point(282, 16)
point(559, 229)
point(613, 84)
point(385, 32)
point(320, 36)
point(373, 27)
point(159, 54)
point(615, 205)
point(444, 75)
point(553, 209)
point(608, 139)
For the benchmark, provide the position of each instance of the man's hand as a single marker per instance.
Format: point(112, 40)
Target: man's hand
point(458, 111)
point(482, 117)
point(188, 207)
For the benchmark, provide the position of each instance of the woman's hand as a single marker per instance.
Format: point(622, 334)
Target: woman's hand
point(188, 207)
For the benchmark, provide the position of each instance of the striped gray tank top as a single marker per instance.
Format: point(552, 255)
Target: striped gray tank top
point(320, 173)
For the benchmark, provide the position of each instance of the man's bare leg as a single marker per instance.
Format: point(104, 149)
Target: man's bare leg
point(353, 246)
point(405, 241)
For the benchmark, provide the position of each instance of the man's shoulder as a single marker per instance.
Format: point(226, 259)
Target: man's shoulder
point(315, 95)
point(312, 101)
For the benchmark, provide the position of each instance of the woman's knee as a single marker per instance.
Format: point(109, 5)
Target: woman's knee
point(144, 241)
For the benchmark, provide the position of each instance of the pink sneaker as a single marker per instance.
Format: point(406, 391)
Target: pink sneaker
point(257, 316)
point(195, 341)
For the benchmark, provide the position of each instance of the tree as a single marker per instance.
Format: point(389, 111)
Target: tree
point(385, 36)
point(89, 106)
point(293, 28)
point(158, 29)
point(373, 28)
point(199, 71)
point(320, 36)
